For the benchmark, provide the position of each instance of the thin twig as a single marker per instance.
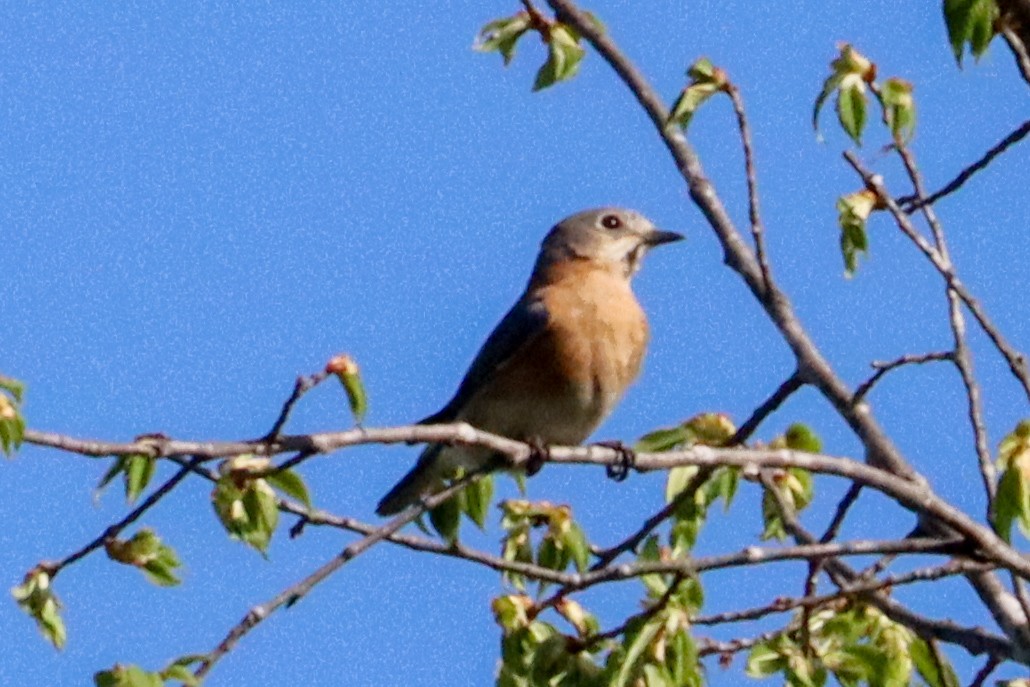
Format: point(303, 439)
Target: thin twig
point(782, 393)
point(985, 672)
point(300, 387)
point(754, 215)
point(883, 368)
point(298, 591)
point(707, 646)
point(912, 203)
point(631, 542)
point(1016, 360)
point(646, 614)
point(962, 358)
point(113, 531)
point(842, 510)
point(784, 604)
point(1019, 51)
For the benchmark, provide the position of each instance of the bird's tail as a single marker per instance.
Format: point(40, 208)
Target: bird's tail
point(420, 481)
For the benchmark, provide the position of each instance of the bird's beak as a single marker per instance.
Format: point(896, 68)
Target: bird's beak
point(658, 237)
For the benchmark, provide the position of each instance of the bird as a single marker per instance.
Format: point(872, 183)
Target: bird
point(560, 359)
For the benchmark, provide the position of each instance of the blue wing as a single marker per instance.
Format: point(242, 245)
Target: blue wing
point(523, 323)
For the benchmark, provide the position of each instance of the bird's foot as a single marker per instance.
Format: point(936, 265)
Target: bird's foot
point(539, 453)
point(627, 459)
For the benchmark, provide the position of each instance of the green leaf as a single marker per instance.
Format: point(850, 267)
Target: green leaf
point(678, 479)
point(563, 57)
point(657, 676)
point(575, 542)
point(801, 437)
point(638, 639)
point(682, 661)
point(1010, 503)
point(774, 527)
point(249, 512)
point(291, 484)
point(765, 659)
point(13, 387)
point(36, 598)
point(829, 87)
point(970, 21)
point(182, 674)
point(899, 109)
point(139, 469)
point(664, 439)
point(502, 35)
point(705, 81)
point(853, 211)
point(851, 106)
point(146, 551)
point(127, 676)
point(655, 583)
point(446, 518)
point(935, 669)
point(347, 371)
point(725, 482)
point(478, 497)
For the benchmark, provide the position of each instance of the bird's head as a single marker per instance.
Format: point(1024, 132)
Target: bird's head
point(615, 238)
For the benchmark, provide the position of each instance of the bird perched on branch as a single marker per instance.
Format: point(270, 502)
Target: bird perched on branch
point(560, 359)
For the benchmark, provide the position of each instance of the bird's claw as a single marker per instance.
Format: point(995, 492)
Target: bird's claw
point(539, 453)
point(627, 459)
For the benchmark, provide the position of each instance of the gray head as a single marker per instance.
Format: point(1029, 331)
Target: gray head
point(615, 237)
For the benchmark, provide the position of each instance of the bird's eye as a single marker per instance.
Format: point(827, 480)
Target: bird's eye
point(611, 222)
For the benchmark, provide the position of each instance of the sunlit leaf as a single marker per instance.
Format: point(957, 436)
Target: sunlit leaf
point(899, 109)
point(36, 598)
point(291, 484)
point(853, 211)
point(347, 371)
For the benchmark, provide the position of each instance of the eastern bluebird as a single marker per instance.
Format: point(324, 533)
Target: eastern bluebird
point(561, 358)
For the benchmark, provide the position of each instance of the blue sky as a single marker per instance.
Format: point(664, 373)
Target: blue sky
point(200, 201)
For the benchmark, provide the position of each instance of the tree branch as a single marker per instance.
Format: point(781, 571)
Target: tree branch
point(882, 368)
point(1015, 359)
point(962, 358)
point(296, 592)
point(912, 203)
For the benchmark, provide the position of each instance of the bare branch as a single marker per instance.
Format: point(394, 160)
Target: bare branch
point(912, 203)
point(298, 591)
point(754, 215)
point(985, 672)
point(1016, 360)
point(782, 393)
point(114, 530)
point(962, 358)
point(1018, 48)
point(883, 368)
point(784, 604)
point(300, 387)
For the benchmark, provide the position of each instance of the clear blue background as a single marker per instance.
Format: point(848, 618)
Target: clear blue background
point(200, 201)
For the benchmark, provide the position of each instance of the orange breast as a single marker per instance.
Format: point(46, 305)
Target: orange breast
point(565, 382)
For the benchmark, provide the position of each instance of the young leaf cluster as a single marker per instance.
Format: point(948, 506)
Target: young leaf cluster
point(146, 551)
point(564, 51)
point(856, 644)
point(36, 597)
point(12, 423)
point(559, 540)
point(245, 500)
point(134, 676)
